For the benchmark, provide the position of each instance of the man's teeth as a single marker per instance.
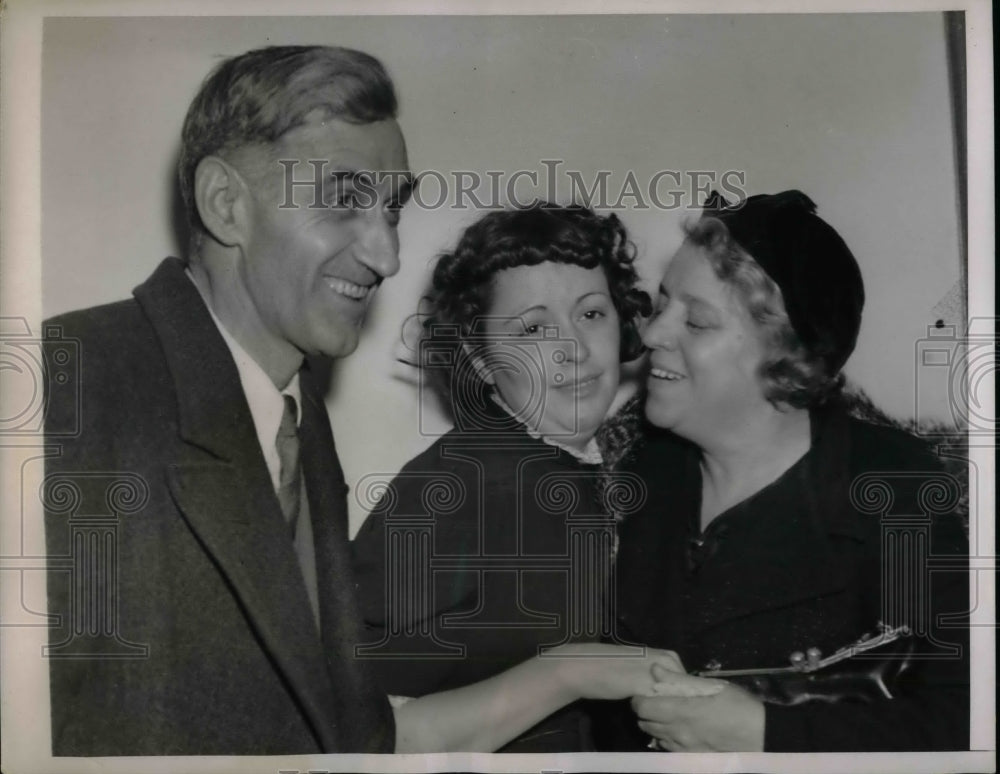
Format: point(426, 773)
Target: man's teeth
point(349, 289)
point(662, 373)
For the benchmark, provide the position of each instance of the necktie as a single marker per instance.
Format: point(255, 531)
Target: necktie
point(290, 476)
point(293, 500)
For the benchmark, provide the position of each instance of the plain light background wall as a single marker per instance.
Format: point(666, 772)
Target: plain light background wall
point(852, 109)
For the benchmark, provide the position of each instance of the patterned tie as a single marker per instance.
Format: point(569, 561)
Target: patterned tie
point(290, 484)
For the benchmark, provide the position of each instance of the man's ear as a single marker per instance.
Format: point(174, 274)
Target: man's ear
point(478, 359)
point(220, 194)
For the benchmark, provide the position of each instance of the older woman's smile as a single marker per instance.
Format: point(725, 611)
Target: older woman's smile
point(665, 374)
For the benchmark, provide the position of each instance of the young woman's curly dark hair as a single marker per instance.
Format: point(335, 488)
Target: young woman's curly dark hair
point(529, 236)
point(572, 234)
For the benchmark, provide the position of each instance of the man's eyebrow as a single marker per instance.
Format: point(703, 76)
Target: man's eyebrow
point(349, 175)
point(353, 176)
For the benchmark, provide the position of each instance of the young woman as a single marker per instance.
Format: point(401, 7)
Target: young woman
point(776, 523)
point(531, 315)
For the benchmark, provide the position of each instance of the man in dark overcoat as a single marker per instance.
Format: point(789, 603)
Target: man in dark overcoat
point(196, 524)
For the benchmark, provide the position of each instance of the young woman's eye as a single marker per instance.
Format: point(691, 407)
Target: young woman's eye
point(594, 314)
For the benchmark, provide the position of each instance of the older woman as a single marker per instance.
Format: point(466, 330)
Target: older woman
point(763, 534)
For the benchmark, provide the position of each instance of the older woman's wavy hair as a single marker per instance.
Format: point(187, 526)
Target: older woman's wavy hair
point(462, 283)
point(791, 375)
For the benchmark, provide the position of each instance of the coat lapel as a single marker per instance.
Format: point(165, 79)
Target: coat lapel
point(226, 495)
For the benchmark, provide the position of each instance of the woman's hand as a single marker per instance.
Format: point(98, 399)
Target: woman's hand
point(604, 671)
point(488, 714)
point(730, 721)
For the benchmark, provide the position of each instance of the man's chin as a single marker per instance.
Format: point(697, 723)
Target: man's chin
point(340, 347)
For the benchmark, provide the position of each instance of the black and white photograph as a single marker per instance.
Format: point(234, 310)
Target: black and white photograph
point(535, 387)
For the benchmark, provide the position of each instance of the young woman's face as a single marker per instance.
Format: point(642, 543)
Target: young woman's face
point(552, 348)
point(706, 353)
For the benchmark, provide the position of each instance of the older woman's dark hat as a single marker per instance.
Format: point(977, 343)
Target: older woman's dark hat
point(818, 276)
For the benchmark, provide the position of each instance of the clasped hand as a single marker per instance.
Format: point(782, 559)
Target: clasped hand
point(726, 720)
point(604, 671)
point(681, 712)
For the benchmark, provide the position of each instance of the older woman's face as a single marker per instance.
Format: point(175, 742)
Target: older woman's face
point(554, 345)
point(706, 353)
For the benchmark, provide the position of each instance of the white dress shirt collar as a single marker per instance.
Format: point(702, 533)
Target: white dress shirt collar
point(266, 402)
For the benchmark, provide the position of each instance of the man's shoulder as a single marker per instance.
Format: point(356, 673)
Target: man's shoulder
point(117, 319)
point(166, 287)
point(109, 339)
point(107, 351)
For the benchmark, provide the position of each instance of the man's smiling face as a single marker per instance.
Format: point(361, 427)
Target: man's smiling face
point(309, 268)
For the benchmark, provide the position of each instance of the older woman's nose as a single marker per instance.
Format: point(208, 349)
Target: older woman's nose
point(660, 333)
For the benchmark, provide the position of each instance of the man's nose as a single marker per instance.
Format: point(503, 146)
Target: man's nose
point(378, 244)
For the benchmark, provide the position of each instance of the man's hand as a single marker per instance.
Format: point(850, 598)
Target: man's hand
point(730, 721)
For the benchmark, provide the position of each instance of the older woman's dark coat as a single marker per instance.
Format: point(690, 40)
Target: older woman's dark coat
point(814, 560)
